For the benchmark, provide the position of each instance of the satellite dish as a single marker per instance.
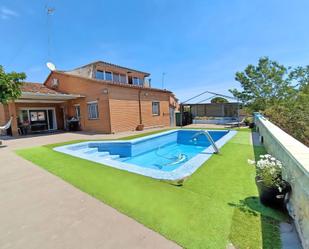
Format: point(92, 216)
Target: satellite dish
point(51, 66)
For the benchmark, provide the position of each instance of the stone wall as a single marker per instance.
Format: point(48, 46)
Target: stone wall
point(295, 158)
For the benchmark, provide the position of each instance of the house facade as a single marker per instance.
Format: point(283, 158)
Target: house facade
point(103, 97)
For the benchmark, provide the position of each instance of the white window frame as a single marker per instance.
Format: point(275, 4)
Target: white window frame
point(125, 78)
point(155, 114)
point(105, 75)
point(89, 112)
point(138, 81)
point(75, 108)
point(114, 77)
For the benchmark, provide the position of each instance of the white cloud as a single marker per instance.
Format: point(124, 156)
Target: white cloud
point(6, 13)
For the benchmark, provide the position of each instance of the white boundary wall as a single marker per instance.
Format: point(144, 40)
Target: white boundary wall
point(295, 157)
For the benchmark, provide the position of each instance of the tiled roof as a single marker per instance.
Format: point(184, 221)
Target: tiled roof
point(37, 88)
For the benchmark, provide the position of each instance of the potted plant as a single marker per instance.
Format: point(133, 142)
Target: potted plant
point(140, 127)
point(249, 122)
point(272, 188)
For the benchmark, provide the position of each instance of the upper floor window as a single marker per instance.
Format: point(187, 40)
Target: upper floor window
point(135, 81)
point(156, 108)
point(123, 78)
point(93, 111)
point(116, 77)
point(99, 75)
point(108, 76)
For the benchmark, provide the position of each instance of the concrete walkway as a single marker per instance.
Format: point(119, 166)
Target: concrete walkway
point(39, 210)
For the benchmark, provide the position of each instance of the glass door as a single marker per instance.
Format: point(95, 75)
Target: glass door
point(50, 114)
point(38, 120)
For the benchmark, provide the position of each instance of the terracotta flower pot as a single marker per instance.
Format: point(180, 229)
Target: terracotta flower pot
point(140, 127)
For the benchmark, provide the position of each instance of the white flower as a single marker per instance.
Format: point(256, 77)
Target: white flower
point(262, 156)
point(272, 171)
point(273, 159)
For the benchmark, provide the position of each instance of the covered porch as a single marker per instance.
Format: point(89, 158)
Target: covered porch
point(40, 112)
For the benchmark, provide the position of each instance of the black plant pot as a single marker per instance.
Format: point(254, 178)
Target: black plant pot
point(272, 197)
point(251, 125)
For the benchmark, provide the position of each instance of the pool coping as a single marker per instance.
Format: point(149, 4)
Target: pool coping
point(181, 172)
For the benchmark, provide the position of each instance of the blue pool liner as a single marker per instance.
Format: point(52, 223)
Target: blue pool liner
point(141, 145)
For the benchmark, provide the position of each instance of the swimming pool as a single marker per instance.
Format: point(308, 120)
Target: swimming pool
point(170, 155)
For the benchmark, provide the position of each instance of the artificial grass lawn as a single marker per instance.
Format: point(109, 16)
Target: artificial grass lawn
point(218, 204)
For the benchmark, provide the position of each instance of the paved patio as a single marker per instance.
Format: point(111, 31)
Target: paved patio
point(39, 210)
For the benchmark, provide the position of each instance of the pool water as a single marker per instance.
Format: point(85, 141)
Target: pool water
point(168, 155)
point(166, 158)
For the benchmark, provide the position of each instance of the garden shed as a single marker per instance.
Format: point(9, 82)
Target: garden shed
point(204, 111)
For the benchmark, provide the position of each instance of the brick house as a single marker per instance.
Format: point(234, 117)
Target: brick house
point(104, 97)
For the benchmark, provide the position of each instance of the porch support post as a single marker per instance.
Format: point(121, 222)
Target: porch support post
point(13, 113)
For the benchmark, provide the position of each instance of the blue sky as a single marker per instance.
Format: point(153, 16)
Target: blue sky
point(198, 44)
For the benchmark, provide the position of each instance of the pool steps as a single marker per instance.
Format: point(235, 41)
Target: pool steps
point(102, 155)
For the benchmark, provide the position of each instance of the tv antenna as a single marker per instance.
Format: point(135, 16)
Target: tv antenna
point(163, 78)
point(49, 12)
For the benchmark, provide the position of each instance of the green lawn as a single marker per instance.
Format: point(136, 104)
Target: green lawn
point(218, 204)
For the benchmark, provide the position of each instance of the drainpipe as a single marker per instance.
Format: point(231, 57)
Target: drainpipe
point(181, 113)
point(140, 107)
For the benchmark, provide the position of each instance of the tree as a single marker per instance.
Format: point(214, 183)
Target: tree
point(10, 84)
point(293, 114)
point(282, 94)
point(263, 85)
point(219, 100)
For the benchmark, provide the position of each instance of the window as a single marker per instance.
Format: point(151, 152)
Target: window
point(135, 81)
point(155, 108)
point(116, 77)
point(24, 116)
point(93, 112)
point(99, 75)
point(108, 76)
point(123, 78)
point(77, 111)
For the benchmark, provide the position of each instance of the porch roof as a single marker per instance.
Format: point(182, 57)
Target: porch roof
point(48, 96)
point(36, 92)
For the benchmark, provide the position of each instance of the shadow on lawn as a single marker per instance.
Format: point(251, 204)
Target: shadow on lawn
point(248, 214)
point(251, 211)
